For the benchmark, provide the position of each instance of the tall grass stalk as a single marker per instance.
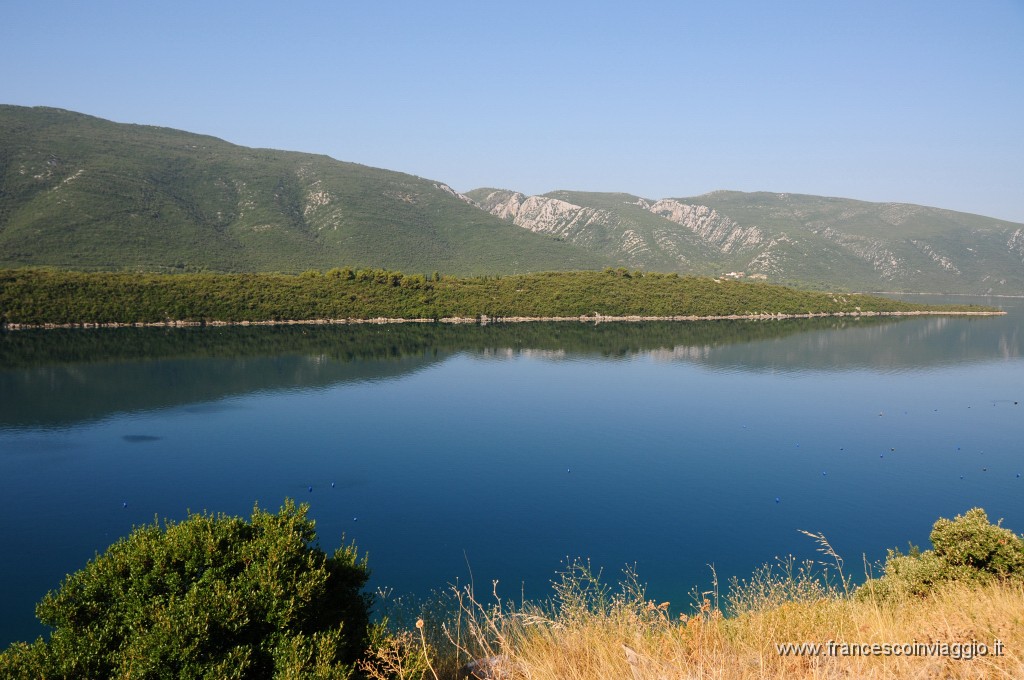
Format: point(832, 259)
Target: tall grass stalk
point(590, 631)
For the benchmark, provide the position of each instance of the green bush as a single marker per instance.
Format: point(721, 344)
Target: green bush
point(968, 548)
point(209, 597)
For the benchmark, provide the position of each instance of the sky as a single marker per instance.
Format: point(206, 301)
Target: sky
point(915, 102)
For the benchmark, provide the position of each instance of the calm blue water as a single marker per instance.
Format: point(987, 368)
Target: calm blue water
point(509, 449)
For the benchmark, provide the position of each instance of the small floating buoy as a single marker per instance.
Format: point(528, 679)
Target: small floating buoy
point(778, 500)
point(332, 485)
point(355, 519)
point(1018, 475)
point(881, 455)
point(311, 489)
point(125, 504)
point(961, 476)
point(984, 469)
point(892, 449)
point(567, 470)
point(824, 474)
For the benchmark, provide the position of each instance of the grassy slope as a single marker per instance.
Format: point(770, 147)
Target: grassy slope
point(952, 611)
point(84, 193)
point(634, 638)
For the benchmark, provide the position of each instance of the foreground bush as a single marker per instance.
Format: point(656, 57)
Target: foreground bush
point(966, 549)
point(210, 597)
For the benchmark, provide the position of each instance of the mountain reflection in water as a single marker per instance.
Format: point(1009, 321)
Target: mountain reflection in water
point(60, 377)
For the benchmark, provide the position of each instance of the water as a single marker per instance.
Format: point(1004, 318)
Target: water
point(501, 451)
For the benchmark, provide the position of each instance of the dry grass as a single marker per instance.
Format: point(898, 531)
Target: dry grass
point(591, 632)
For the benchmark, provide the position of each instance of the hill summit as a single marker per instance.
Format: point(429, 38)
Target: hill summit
point(83, 193)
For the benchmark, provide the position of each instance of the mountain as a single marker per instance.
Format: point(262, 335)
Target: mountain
point(79, 192)
point(784, 238)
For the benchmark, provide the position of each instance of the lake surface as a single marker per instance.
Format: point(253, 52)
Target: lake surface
point(506, 449)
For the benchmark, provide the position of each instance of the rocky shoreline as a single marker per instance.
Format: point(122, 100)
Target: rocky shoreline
point(483, 319)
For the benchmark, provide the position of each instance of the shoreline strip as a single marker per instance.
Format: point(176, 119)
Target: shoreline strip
point(483, 319)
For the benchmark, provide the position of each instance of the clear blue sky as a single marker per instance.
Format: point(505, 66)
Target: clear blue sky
point(919, 102)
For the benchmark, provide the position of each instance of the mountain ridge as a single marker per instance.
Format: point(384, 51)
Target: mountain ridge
point(784, 238)
point(79, 192)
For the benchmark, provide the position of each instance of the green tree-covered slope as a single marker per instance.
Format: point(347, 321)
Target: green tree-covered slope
point(38, 297)
point(796, 239)
point(83, 193)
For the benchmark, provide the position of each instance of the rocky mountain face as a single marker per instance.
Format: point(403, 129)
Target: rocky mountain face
point(786, 238)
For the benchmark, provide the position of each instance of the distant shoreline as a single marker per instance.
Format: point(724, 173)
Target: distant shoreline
point(53, 299)
point(485, 320)
point(978, 295)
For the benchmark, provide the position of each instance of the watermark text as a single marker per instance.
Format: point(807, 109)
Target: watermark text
point(964, 651)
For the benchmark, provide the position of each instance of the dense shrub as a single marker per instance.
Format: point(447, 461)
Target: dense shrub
point(968, 549)
point(53, 297)
point(209, 597)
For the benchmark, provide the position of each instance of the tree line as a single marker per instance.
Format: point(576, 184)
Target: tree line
point(36, 296)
